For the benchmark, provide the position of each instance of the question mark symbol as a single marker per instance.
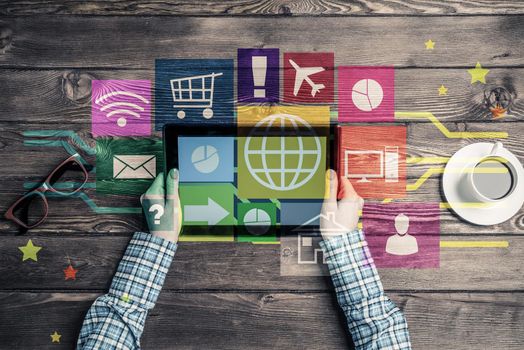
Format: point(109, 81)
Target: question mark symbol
point(159, 211)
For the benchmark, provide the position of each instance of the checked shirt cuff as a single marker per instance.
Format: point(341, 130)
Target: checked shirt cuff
point(143, 269)
point(352, 269)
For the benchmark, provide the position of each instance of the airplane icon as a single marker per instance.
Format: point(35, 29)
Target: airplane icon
point(303, 74)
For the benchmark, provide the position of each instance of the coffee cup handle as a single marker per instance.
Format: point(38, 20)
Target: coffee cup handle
point(497, 146)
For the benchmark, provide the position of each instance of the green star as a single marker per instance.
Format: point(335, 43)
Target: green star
point(30, 251)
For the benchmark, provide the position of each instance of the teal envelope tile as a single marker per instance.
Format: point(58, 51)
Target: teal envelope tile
point(127, 166)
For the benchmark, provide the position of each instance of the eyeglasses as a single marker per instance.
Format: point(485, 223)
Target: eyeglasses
point(35, 200)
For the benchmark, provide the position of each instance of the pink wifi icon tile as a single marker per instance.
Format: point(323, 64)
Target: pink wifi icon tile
point(121, 108)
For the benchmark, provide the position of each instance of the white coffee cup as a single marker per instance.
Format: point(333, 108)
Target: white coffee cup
point(493, 177)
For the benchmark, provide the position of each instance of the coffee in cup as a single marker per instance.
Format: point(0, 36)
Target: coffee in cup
point(493, 177)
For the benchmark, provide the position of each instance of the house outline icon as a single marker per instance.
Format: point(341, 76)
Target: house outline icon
point(307, 227)
point(329, 216)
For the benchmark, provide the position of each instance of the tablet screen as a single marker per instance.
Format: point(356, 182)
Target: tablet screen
point(235, 180)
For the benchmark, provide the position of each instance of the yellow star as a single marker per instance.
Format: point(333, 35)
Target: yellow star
point(30, 251)
point(478, 74)
point(55, 337)
point(430, 44)
point(442, 90)
point(125, 298)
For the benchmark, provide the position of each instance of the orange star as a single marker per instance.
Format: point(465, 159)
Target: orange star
point(70, 273)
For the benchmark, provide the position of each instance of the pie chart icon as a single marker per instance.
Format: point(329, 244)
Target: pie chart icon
point(257, 221)
point(205, 159)
point(367, 94)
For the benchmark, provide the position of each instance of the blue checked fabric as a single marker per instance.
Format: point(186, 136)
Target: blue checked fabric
point(374, 321)
point(116, 320)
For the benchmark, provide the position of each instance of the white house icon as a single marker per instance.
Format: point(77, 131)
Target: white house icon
point(313, 226)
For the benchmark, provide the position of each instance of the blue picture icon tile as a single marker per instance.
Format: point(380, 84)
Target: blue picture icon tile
point(193, 90)
point(206, 159)
point(296, 214)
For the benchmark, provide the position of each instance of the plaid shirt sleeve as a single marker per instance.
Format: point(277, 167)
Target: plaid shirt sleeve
point(116, 320)
point(374, 321)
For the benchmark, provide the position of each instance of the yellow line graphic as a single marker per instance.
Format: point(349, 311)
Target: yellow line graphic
point(474, 244)
point(446, 205)
point(423, 178)
point(453, 134)
point(449, 244)
point(427, 160)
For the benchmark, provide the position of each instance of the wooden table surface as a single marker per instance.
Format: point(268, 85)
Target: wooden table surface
point(231, 295)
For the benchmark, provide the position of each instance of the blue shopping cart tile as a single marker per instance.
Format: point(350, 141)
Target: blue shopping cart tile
point(193, 90)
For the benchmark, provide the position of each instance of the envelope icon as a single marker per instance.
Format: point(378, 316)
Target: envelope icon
point(134, 167)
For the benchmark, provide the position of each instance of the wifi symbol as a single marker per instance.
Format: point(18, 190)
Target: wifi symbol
point(121, 108)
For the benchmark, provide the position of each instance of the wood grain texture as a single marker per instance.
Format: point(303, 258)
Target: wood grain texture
point(51, 96)
point(73, 215)
point(423, 140)
point(260, 7)
point(135, 42)
point(245, 266)
point(268, 320)
point(232, 295)
point(34, 162)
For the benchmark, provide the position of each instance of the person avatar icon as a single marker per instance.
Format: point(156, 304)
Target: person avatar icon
point(402, 243)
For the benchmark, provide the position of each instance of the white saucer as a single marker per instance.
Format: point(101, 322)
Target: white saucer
point(480, 213)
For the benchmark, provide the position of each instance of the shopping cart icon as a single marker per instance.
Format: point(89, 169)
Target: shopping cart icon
point(194, 92)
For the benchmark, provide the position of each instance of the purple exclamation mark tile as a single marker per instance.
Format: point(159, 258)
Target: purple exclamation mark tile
point(258, 75)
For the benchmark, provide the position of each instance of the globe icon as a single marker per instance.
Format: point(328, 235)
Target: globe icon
point(282, 152)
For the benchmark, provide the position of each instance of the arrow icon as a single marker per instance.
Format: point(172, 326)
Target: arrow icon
point(212, 212)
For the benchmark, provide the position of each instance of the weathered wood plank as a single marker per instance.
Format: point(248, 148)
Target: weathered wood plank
point(32, 163)
point(245, 266)
point(269, 320)
point(134, 42)
point(423, 140)
point(55, 96)
point(260, 7)
point(74, 215)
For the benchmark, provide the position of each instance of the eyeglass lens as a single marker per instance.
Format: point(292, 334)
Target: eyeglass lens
point(70, 177)
point(31, 209)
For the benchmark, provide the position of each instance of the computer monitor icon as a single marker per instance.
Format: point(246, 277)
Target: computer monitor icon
point(364, 164)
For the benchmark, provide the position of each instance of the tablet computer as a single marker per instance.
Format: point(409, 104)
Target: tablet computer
point(249, 182)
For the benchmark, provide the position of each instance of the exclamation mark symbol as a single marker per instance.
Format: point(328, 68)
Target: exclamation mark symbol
point(259, 66)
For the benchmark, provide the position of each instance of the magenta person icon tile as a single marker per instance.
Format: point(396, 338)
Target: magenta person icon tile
point(258, 75)
point(121, 108)
point(403, 235)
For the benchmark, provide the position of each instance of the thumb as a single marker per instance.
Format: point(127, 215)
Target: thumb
point(347, 191)
point(157, 187)
point(331, 186)
point(172, 184)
